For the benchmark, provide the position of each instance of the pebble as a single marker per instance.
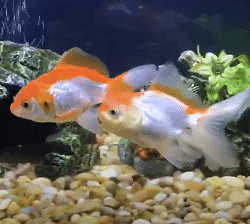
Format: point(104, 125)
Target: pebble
point(59, 183)
point(93, 183)
point(108, 211)
point(160, 197)
point(223, 214)
point(13, 208)
point(223, 205)
point(189, 217)
point(123, 217)
point(109, 201)
point(141, 221)
point(156, 220)
point(76, 218)
point(86, 206)
point(222, 221)
point(187, 176)
point(21, 217)
point(174, 221)
point(158, 209)
point(234, 182)
point(117, 194)
point(4, 203)
point(42, 181)
point(237, 197)
point(208, 215)
point(246, 212)
point(10, 221)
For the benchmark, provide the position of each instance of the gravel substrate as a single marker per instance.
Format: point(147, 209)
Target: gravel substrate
point(114, 193)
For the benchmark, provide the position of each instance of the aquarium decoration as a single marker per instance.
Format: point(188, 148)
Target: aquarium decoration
point(224, 71)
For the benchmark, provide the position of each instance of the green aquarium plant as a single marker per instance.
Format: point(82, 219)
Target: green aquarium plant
point(220, 71)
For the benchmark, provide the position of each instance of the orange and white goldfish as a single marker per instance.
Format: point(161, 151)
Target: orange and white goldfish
point(73, 90)
point(172, 119)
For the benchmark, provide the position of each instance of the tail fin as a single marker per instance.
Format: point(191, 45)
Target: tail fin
point(169, 81)
point(209, 134)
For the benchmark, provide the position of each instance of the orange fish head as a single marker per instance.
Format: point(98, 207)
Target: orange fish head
point(118, 115)
point(30, 103)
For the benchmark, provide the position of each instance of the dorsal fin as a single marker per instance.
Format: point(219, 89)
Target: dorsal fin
point(76, 57)
point(169, 81)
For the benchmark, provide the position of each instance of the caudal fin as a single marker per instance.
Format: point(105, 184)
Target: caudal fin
point(209, 134)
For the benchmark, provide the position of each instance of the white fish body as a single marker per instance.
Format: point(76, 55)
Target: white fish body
point(181, 134)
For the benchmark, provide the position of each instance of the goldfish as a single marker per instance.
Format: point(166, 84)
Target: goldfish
point(73, 90)
point(172, 119)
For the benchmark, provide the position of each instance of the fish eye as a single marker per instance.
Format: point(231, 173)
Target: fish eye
point(113, 112)
point(46, 104)
point(25, 105)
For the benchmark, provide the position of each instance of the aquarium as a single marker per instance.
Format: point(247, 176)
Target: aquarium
point(130, 111)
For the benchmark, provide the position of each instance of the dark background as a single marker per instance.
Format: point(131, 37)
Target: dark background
point(125, 34)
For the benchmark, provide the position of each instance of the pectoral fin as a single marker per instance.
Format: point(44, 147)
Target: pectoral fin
point(89, 120)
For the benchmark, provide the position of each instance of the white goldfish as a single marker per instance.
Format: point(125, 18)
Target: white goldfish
point(172, 119)
point(73, 90)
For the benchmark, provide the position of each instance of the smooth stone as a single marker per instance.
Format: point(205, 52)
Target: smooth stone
point(215, 181)
point(223, 205)
point(105, 219)
point(49, 192)
point(76, 218)
point(10, 221)
point(160, 197)
point(87, 205)
point(9, 175)
point(207, 215)
point(42, 181)
point(190, 217)
point(108, 211)
point(2, 215)
point(235, 212)
point(187, 176)
point(148, 192)
point(109, 201)
point(141, 221)
point(158, 209)
point(27, 210)
point(3, 194)
point(204, 193)
point(237, 197)
point(21, 217)
point(135, 187)
point(96, 214)
point(234, 182)
point(246, 212)
point(140, 206)
point(13, 208)
point(123, 216)
point(4, 203)
point(91, 183)
point(174, 221)
point(223, 214)
point(156, 220)
point(179, 186)
point(59, 183)
point(222, 221)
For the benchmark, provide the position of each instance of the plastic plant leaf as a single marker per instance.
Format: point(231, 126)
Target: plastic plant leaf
point(244, 60)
